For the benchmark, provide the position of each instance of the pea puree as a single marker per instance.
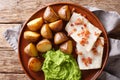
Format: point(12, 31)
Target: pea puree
point(60, 66)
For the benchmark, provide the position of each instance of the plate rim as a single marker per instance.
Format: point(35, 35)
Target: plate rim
point(63, 3)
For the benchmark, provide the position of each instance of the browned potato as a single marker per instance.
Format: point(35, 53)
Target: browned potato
point(31, 50)
point(34, 64)
point(46, 32)
point(67, 47)
point(60, 37)
point(64, 13)
point(56, 26)
point(44, 45)
point(35, 24)
point(31, 36)
point(50, 15)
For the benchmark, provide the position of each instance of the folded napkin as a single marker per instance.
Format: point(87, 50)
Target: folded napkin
point(111, 22)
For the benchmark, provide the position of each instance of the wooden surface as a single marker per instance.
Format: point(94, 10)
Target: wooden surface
point(14, 12)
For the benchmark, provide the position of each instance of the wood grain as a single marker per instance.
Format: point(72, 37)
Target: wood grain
point(10, 61)
point(19, 10)
point(14, 12)
point(10, 67)
point(13, 76)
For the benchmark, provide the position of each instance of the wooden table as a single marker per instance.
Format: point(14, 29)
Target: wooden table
point(13, 13)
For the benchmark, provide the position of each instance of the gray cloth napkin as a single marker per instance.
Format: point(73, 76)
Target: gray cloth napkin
point(111, 22)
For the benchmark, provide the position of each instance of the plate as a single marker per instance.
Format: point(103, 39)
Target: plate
point(86, 74)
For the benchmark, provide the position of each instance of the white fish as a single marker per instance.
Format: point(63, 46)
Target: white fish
point(82, 31)
point(92, 59)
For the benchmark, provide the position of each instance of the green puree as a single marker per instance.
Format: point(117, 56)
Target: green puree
point(60, 66)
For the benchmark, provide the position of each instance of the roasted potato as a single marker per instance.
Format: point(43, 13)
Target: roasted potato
point(56, 26)
point(44, 45)
point(34, 64)
point(60, 37)
point(31, 36)
point(64, 13)
point(46, 32)
point(31, 50)
point(35, 24)
point(67, 47)
point(50, 15)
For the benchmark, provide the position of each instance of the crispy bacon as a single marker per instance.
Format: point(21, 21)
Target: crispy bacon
point(79, 22)
point(84, 41)
point(96, 34)
point(80, 53)
point(74, 29)
point(87, 33)
point(94, 50)
point(85, 25)
point(87, 61)
point(98, 42)
point(82, 33)
point(71, 32)
point(78, 34)
point(72, 24)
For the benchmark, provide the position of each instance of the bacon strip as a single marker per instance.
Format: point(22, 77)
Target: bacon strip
point(85, 34)
point(94, 50)
point(96, 34)
point(79, 22)
point(87, 61)
point(74, 30)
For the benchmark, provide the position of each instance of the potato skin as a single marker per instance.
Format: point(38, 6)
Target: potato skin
point(34, 64)
point(67, 47)
point(44, 45)
point(35, 24)
point(46, 32)
point(31, 36)
point(50, 15)
point(64, 13)
point(56, 26)
point(60, 37)
point(31, 50)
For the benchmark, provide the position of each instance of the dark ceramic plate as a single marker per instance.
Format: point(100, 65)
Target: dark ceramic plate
point(86, 74)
